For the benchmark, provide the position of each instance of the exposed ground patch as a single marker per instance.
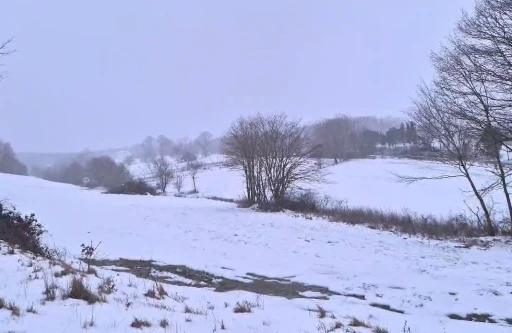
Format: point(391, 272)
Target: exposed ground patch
point(259, 284)
point(386, 307)
point(478, 317)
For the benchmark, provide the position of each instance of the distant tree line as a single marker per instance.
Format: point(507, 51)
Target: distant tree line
point(100, 171)
point(343, 138)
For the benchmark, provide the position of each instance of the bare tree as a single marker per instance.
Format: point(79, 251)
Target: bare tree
point(434, 116)
point(467, 87)
point(178, 181)
point(274, 154)
point(185, 150)
point(148, 149)
point(194, 168)
point(165, 146)
point(487, 35)
point(286, 152)
point(204, 142)
point(239, 148)
point(478, 69)
point(163, 173)
point(4, 50)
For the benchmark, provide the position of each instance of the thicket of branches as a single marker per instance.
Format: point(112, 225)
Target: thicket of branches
point(467, 109)
point(273, 153)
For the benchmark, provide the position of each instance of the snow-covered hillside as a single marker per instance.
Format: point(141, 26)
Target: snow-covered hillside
point(283, 267)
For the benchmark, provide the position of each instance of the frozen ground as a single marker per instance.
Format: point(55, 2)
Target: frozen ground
point(354, 270)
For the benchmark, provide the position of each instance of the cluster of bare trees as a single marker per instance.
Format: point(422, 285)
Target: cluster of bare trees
point(467, 109)
point(165, 174)
point(273, 153)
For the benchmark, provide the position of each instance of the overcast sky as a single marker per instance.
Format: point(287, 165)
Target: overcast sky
point(103, 74)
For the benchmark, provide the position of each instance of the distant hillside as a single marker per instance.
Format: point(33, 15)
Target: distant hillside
point(45, 159)
point(51, 159)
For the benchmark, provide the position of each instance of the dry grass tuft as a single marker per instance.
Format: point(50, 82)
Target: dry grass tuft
point(15, 310)
point(190, 310)
point(107, 286)
point(242, 307)
point(164, 323)
point(355, 322)
point(31, 309)
point(140, 323)
point(77, 289)
point(322, 313)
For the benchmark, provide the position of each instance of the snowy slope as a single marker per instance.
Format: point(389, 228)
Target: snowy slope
point(427, 280)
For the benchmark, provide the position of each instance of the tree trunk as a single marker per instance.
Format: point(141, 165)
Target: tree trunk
point(488, 222)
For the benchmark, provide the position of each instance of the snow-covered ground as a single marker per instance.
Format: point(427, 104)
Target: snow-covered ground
point(354, 269)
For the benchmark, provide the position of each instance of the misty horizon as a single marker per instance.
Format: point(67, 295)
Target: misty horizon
point(181, 68)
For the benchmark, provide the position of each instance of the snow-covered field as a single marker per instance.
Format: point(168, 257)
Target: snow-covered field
point(371, 183)
point(274, 263)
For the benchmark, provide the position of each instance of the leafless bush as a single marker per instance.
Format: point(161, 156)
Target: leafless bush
point(273, 153)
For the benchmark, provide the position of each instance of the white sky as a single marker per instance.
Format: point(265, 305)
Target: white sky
point(102, 74)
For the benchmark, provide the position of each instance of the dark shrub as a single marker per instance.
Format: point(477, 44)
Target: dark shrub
point(133, 187)
point(104, 171)
point(9, 162)
point(22, 231)
point(306, 202)
point(73, 173)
